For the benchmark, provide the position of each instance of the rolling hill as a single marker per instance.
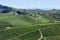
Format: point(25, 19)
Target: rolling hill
point(26, 27)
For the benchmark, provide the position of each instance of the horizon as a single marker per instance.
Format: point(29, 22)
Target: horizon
point(32, 4)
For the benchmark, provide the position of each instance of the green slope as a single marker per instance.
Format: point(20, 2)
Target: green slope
point(23, 24)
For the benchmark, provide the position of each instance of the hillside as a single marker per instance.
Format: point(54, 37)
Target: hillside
point(22, 24)
point(12, 26)
point(22, 27)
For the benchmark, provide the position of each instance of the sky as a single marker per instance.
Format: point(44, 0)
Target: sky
point(27, 4)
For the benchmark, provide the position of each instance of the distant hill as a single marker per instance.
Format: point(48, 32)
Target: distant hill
point(5, 9)
point(53, 14)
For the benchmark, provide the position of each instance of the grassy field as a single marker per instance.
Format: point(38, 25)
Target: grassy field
point(23, 27)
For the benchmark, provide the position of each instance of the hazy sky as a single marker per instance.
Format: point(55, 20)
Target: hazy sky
point(32, 3)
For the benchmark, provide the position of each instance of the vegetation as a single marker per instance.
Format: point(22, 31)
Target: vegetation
point(25, 24)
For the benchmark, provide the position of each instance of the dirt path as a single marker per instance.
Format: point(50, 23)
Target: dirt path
point(21, 34)
point(41, 35)
point(3, 17)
